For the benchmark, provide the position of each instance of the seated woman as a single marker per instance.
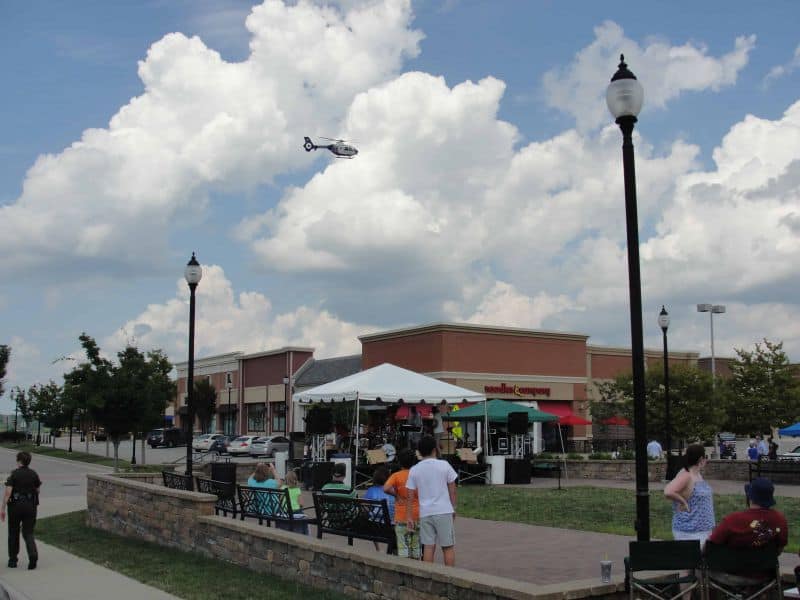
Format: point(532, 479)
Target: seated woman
point(264, 477)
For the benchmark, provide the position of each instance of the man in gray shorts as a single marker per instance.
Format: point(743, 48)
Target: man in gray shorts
point(434, 483)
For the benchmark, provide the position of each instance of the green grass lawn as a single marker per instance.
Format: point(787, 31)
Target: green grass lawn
point(604, 510)
point(182, 574)
point(74, 455)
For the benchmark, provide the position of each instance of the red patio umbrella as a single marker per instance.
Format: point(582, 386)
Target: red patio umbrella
point(572, 420)
point(616, 420)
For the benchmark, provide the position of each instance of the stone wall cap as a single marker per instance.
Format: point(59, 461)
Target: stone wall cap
point(152, 488)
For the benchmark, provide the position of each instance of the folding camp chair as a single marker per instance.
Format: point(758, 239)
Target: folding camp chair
point(646, 558)
point(741, 573)
point(467, 457)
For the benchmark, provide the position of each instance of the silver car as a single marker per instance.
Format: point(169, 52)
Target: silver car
point(269, 445)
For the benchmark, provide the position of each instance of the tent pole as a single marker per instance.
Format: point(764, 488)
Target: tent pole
point(358, 428)
point(563, 453)
point(487, 447)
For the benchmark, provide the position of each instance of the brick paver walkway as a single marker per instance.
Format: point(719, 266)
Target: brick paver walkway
point(546, 555)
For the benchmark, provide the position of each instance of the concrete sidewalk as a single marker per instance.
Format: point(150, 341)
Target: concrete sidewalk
point(60, 575)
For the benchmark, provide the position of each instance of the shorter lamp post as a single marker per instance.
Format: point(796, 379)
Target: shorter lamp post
point(663, 322)
point(193, 275)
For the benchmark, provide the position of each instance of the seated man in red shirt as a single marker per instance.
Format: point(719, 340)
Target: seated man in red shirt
point(758, 526)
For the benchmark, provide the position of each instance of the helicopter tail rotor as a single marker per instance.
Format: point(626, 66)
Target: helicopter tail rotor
point(308, 145)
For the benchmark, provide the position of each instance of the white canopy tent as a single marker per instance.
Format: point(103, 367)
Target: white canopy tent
point(389, 384)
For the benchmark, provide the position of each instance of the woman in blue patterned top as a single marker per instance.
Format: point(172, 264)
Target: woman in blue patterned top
point(692, 499)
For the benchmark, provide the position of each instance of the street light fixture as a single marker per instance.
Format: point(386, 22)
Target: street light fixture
point(193, 275)
point(712, 309)
point(663, 322)
point(625, 97)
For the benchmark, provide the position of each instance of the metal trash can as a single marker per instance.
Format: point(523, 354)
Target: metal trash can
point(223, 471)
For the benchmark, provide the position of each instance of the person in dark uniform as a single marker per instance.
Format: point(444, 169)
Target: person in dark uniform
point(21, 497)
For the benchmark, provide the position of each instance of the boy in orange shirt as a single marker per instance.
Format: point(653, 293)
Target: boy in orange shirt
point(407, 541)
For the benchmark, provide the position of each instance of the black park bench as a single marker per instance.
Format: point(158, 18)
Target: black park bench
point(339, 514)
point(176, 481)
point(225, 491)
point(271, 505)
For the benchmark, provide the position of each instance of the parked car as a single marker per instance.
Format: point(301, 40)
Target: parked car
point(203, 442)
point(241, 445)
point(793, 455)
point(168, 436)
point(269, 445)
point(100, 435)
point(220, 445)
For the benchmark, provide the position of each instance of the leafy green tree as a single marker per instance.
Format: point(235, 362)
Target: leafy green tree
point(762, 390)
point(129, 396)
point(5, 355)
point(694, 412)
point(204, 402)
point(22, 402)
point(46, 406)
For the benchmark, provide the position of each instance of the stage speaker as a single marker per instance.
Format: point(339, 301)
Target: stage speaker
point(319, 421)
point(321, 473)
point(518, 470)
point(517, 423)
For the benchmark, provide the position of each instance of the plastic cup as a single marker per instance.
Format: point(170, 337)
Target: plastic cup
point(605, 571)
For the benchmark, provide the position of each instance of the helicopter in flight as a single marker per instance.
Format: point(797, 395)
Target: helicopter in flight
point(339, 148)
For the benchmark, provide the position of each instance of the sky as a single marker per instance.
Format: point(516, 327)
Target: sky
point(487, 189)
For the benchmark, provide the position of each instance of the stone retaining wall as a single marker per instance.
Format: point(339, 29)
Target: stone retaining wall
point(128, 506)
point(625, 470)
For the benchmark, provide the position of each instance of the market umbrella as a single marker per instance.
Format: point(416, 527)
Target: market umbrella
point(617, 422)
point(791, 431)
point(497, 412)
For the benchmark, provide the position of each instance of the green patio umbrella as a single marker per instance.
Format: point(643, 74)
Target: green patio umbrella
point(497, 412)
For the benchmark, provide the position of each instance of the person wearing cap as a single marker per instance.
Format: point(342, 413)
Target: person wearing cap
point(338, 486)
point(756, 527)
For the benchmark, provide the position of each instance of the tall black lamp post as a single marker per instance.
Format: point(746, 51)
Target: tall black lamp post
point(663, 322)
point(193, 274)
point(229, 385)
point(625, 97)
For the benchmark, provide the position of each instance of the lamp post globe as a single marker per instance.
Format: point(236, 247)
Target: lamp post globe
point(193, 274)
point(625, 97)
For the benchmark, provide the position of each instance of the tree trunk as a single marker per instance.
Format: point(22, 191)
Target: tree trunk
point(143, 445)
point(116, 453)
point(38, 432)
point(133, 446)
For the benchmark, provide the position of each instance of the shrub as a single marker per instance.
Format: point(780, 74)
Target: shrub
point(548, 455)
point(600, 456)
point(12, 436)
point(626, 455)
point(574, 456)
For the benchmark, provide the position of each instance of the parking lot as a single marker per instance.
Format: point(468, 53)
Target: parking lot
point(151, 455)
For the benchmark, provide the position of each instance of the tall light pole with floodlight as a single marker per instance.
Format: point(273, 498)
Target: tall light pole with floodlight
point(624, 98)
point(712, 309)
point(663, 322)
point(193, 274)
point(229, 420)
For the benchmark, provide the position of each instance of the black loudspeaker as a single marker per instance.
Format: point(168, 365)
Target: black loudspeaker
point(517, 423)
point(320, 421)
point(321, 473)
point(518, 471)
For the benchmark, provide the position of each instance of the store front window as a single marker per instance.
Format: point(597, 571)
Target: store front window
point(278, 416)
point(255, 417)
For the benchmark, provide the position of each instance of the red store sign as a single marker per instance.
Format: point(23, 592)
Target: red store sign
point(516, 390)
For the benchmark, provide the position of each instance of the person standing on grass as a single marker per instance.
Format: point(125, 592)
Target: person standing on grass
point(433, 482)
point(692, 499)
point(407, 541)
point(22, 498)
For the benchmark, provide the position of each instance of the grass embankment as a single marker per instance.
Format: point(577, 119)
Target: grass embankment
point(94, 459)
point(177, 572)
point(604, 510)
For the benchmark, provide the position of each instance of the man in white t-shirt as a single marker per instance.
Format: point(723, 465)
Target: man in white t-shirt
point(654, 449)
point(433, 481)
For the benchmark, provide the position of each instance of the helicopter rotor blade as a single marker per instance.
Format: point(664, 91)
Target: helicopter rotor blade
point(330, 139)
